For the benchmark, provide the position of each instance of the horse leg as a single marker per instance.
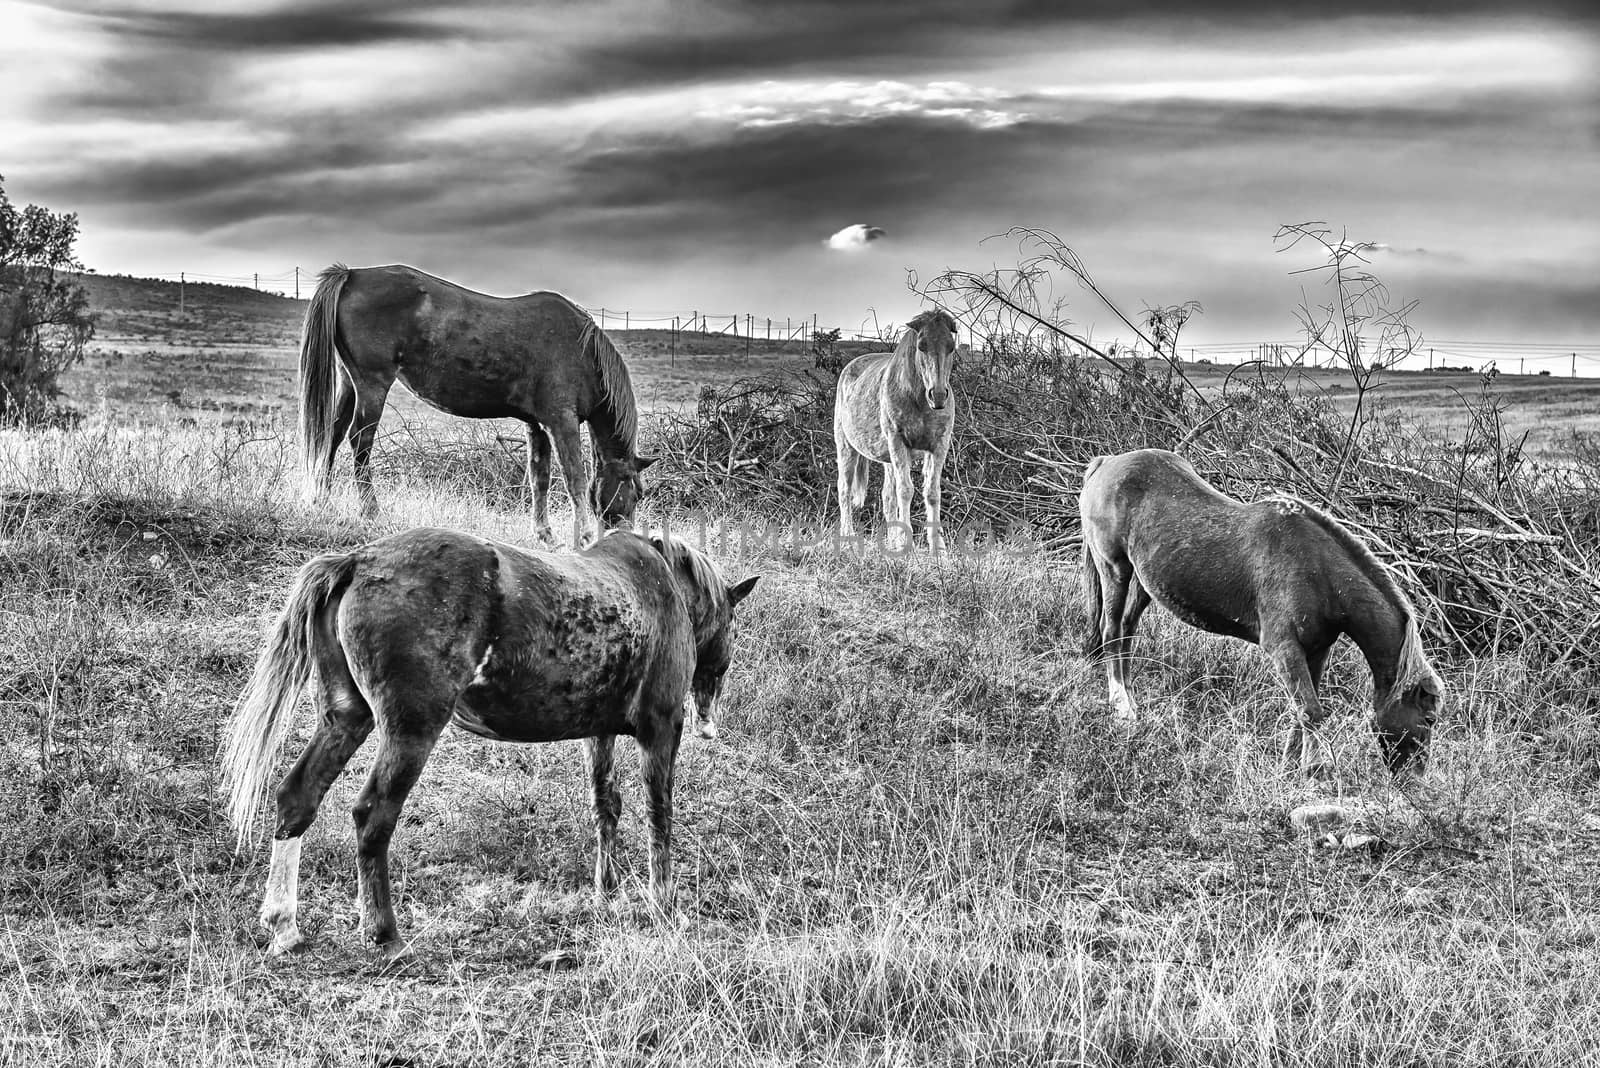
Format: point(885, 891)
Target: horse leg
point(932, 479)
point(344, 724)
point(539, 480)
point(887, 496)
point(851, 486)
point(569, 446)
point(658, 745)
point(394, 772)
point(1116, 579)
point(900, 460)
point(371, 393)
point(1301, 672)
point(607, 808)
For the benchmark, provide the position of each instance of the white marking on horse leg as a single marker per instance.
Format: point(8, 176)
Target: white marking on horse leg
point(1123, 714)
point(281, 902)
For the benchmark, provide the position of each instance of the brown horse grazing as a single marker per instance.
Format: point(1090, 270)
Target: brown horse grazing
point(430, 627)
point(538, 358)
point(1277, 572)
point(890, 405)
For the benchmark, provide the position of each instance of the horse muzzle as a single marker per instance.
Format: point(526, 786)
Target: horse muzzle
point(1404, 751)
point(938, 398)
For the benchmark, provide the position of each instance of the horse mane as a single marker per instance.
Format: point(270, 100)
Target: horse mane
point(616, 389)
point(702, 572)
point(1411, 665)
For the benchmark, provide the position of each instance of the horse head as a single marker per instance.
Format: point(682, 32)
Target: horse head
point(617, 489)
point(935, 333)
point(1404, 722)
point(711, 603)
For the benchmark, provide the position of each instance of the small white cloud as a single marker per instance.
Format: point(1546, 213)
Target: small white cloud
point(857, 235)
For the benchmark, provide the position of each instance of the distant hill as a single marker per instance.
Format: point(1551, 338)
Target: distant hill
point(143, 310)
point(154, 309)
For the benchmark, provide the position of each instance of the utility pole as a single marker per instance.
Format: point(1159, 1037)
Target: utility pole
point(674, 349)
point(297, 283)
point(1522, 365)
point(1574, 365)
point(1430, 359)
point(256, 280)
point(180, 294)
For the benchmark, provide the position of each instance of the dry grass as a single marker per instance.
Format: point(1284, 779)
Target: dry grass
point(917, 841)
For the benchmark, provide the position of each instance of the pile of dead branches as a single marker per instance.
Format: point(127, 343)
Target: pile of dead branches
point(764, 447)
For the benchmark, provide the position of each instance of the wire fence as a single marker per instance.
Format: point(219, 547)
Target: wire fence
point(1557, 359)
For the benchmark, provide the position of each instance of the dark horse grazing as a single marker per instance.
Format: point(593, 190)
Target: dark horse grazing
point(538, 358)
point(890, 405)
point(1277, 572)
point(430, 627)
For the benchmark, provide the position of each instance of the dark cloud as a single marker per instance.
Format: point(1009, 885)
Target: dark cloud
point(304, 26)
point(603, 171)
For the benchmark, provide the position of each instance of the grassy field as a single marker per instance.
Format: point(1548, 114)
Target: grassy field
point(917, 841)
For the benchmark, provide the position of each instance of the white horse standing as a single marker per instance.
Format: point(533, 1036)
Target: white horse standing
point(889, 406)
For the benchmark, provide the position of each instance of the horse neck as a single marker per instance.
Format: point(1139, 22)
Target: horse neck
point(1379, 627)
point(603, 430)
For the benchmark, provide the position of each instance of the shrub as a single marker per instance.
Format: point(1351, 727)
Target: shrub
point(44, 314)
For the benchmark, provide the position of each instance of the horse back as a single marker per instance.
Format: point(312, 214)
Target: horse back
point(466, 352)
point(528, 646)
point(1215, 562)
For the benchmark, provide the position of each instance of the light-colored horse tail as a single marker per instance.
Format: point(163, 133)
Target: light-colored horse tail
point(263, 715)
point(319, 375)
point(857, 471)
point(615, 385)
point(1092, 595)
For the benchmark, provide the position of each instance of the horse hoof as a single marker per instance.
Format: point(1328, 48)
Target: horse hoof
point(395, 950)
point(285, 942)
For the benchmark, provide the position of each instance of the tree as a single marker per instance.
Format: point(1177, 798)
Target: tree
point(44, 314)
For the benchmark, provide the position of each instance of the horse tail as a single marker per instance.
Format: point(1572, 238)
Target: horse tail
point(859, 473)
point(1092, 595)
point(263, 714)
point(319, 375)
point(616, 389)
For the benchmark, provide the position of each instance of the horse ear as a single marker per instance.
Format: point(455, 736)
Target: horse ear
point(659, 543)
point(949, 320)
point(642, 462)
point(742, 590)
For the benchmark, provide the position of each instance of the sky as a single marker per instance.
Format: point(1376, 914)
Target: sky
point(798, 159)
